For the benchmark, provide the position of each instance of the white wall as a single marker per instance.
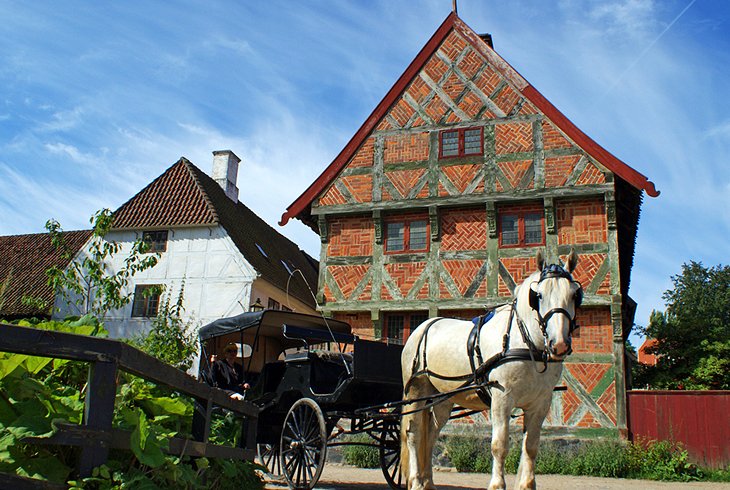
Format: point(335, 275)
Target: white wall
point(217, 277)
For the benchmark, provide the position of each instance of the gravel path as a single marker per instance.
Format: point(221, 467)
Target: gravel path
point(340, 477)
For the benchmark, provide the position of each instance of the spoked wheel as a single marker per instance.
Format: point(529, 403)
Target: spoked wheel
point(269, 458)
point(303, 444)
point(390, 454)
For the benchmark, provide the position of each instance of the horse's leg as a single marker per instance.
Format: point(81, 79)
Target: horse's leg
point(525, 479)
point(438, 416)
point(414, 432)
point(500, 412)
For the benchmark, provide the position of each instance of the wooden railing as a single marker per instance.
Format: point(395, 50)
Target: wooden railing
point(95, 436)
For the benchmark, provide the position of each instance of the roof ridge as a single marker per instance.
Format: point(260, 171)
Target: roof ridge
point(191, 167)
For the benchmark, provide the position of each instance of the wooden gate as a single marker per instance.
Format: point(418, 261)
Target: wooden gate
point(700, 420)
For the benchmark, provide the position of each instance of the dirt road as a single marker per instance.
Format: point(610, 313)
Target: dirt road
point(339, 477)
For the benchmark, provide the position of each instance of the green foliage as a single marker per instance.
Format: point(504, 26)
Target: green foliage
point(89, 282)
point(608, 459)
point(361, 456)
point(38, 394)
point(469, 454)
point(693, 334)
point(603, 458)
point(171, 339)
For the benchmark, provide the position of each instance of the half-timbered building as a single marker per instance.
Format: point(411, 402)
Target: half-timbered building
point(438, 203)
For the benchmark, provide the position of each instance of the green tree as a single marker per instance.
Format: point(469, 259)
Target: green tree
point(89, 282)
point(693, 334)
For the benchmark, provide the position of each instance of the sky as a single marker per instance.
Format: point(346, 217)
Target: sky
point(99, 98)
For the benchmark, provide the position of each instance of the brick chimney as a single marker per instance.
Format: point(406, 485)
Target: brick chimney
point(225, 172)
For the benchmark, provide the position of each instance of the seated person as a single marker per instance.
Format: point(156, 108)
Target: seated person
point(226, 373)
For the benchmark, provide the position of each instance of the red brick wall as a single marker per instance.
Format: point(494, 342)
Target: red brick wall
point(461, 176)
point(350, 237)
point(581, 221)
point(348, 277)
point(406, 148)
point(519, 268)
point(463, 229)
point(513, 138)
point(558, 169)
point(360, 322)
point(405, 275)
point(595, 335)
point(364, 156)
point(404, 181)
point(552, 138)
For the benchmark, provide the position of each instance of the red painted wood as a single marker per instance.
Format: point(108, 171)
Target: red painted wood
point(700, 420)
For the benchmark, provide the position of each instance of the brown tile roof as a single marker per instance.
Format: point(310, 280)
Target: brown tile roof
point(185, 196)
point(25, 258)
point(175, 198)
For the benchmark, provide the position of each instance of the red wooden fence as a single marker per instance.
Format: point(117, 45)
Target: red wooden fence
point(700, 420)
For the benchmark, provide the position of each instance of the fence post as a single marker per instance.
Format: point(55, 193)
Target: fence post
point(101, 392)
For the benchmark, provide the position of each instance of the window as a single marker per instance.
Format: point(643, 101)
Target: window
point(273, 304)
point(406, 236)
point(146, 300)
point(398, 326)
point(156, 240)
point(461, 142)
point(521, 228)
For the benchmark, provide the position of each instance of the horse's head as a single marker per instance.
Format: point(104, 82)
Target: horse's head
point(555, 297)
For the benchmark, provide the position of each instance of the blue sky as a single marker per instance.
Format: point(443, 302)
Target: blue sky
point(99, 98)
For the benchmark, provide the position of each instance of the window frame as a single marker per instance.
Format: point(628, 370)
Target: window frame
point(147, 300)
point(272, 304)
point(408, 324)
point(520, 213)
point(406, 222)
point(462, 142)
point(148, 237)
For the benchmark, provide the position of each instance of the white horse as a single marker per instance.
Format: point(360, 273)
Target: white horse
point(516, 355)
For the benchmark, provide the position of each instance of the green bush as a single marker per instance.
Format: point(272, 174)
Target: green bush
point(469, 454)
point(361, 456)
point(608, 459)
point(602, 458)
point(38, 393)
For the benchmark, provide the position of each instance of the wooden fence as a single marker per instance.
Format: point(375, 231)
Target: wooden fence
point(700, 420)
point(95, 436)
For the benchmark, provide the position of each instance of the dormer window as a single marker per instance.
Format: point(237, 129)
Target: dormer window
point(156, 240)
point(461, 142)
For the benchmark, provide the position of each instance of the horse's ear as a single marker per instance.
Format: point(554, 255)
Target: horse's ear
point(540, 260)
point(572, 261)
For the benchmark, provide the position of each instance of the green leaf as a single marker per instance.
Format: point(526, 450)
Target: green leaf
point(145, 445)
point(46, 468)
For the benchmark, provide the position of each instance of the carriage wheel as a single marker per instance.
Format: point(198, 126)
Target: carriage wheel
point(268, 455)
point(390, 454)
point(303, 444)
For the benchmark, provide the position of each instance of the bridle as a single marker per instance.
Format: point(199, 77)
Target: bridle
point(555, 271)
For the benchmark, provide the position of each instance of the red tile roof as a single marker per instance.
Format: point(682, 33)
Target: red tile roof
point(175, 198)
point(25, 259)
point(300, 207)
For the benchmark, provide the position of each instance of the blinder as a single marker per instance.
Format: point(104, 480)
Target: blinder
point(554, 271)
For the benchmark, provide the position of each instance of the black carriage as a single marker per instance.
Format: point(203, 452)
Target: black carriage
point(313, 381)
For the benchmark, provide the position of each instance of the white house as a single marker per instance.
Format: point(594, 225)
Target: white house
point(225, 255)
